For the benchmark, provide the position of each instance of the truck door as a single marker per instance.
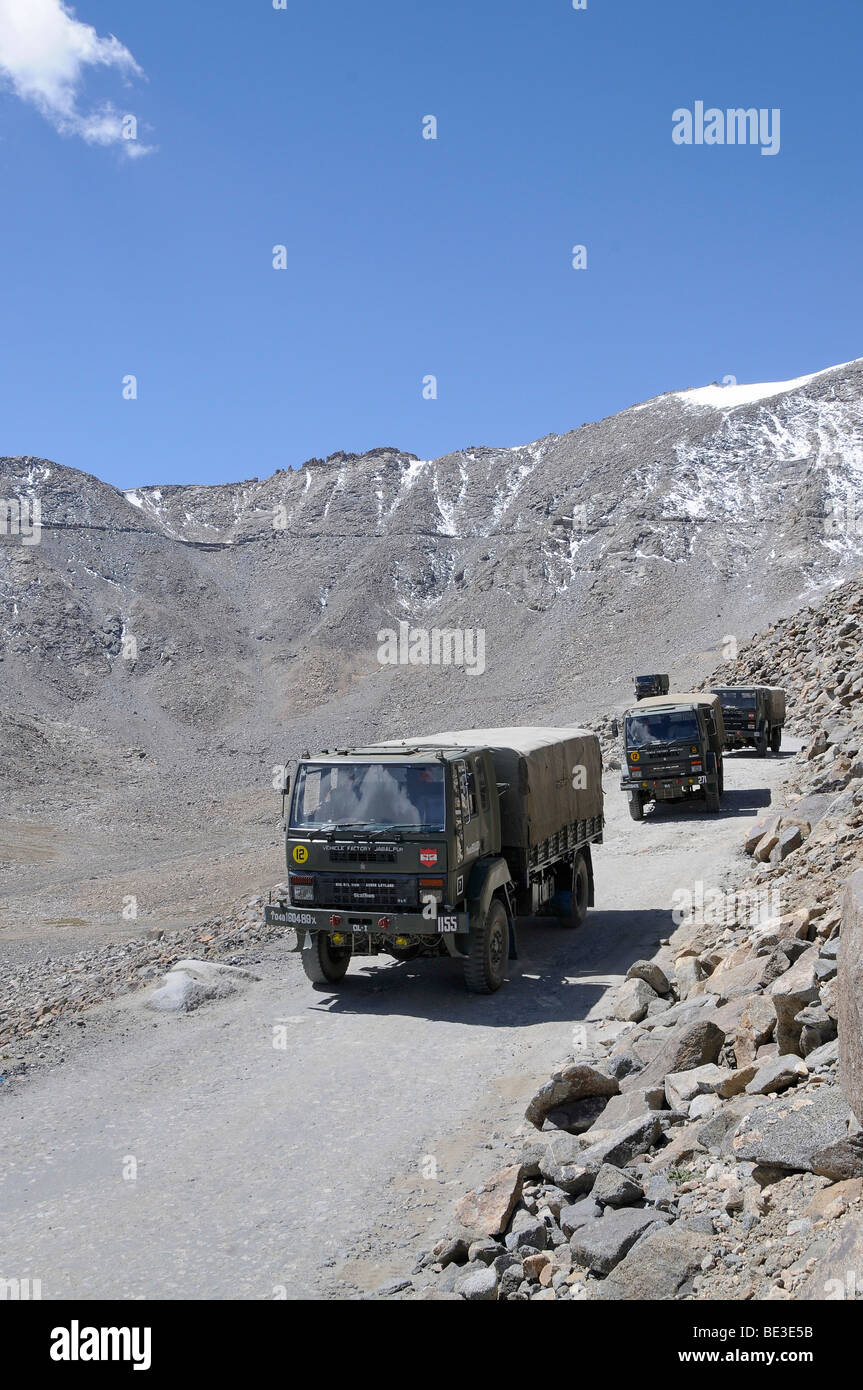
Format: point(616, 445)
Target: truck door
point(467, 823)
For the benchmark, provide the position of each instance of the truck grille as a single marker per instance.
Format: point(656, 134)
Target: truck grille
point(366, 891)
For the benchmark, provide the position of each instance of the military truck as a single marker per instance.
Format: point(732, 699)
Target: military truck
point(673, 750)
point(754, 716)
point(433, 846)
point(645, 686)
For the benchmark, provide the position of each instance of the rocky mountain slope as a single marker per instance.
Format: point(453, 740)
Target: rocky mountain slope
point(162, 649)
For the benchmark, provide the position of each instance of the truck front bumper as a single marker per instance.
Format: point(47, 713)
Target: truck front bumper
point(664, 788)
point(379, 923)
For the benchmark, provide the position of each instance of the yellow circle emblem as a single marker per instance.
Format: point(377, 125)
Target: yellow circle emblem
point(634, 757)
point(301, 854)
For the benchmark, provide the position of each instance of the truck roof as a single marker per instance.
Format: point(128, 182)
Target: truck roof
point(697, 697)
point(520, 739)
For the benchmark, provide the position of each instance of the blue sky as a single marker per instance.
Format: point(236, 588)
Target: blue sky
point(409, 257)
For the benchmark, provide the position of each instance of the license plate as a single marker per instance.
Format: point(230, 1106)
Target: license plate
point(702, 781)
point(286, 917)
point(445, 924)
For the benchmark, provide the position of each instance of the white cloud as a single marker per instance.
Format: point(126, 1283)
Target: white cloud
point(44, 53)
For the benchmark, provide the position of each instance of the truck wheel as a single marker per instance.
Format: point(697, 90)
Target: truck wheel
point(776, 740)
point(323, 963)
point(721, 779)
point(712, 798)
point(636, 805)
point(485, 967)
point(580, 891)
point(761, 744)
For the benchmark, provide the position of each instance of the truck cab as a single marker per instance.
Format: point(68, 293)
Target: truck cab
point(673, 750)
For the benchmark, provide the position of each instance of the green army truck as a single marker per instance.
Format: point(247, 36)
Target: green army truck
point(645, 686)
point(754, 716)
point(434, 846)
point(673, 750)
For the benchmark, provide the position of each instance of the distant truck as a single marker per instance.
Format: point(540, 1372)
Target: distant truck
point(754, 716)
point(645, 686)
point(672, 749)
point(434, 846)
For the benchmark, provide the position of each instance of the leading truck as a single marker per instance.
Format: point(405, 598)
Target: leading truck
point(672, 750)
point(434, 846)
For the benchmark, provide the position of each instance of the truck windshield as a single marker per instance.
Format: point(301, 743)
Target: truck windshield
point(737, 699)
point(370, 796)
point(666, 726)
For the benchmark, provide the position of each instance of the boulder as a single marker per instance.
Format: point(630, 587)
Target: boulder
point(777, 1074)
point(623, 1109)
point(789, 994)
point(573, 1217)
point(618, 1146)
point(651, 973)
point(755, 1028)
point(683, 1086)
point(486, 1211)
point(600, 1245)
point(577, 1116)
point(836, 1276)
point(614, 1188)
point(480, 1286)
point(716, 1134)
point(793, 1131)
point(661, 1267)
point(633, 999)
point(849, 987)
point(690, 1045)
point(576, 1081)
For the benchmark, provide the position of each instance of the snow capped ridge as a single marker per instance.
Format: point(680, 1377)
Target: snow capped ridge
point(731, 397)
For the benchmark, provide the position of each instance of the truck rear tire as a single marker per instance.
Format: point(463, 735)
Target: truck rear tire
point(485, 967)
point(323, 963)
point(776, 740)
point(712, 798)
point(636, 805)
point(580, 891)
point(761, 744)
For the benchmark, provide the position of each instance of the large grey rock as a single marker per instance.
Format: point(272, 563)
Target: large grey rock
point(837, 1273)
point(570, 1083)
point(527, 1230)
point(191, 983)
point(777, 1074)
point(850, 994)
point(481, 1286)
point(683, 1086)
point(651, 973)
point(633, 999)
point(577, 1116)
point(624, 1109)
point(716, 1133)
point(794, 1130)
point(789, 994)
point(578, 1214)
point(690, 1045)
point(661, 1267)
point(618, 1146)
point(600, 1245)
point(614, 1188)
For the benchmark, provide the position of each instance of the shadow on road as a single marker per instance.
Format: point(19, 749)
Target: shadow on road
point(561, 974)
point(741, 801)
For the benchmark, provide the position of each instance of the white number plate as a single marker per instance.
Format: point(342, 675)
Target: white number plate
point(445, 924)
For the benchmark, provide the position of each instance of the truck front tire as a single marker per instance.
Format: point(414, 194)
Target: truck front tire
point(323, 963)
point(485, 967)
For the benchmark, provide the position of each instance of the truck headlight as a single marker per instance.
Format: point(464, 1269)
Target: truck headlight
point(302, 888)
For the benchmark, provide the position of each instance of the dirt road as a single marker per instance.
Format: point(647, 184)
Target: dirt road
point(189, 1157)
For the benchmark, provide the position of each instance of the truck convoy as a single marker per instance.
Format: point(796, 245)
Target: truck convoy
point(645, 686)
point(433, 846)
point(753, 715)
point(673, 749)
